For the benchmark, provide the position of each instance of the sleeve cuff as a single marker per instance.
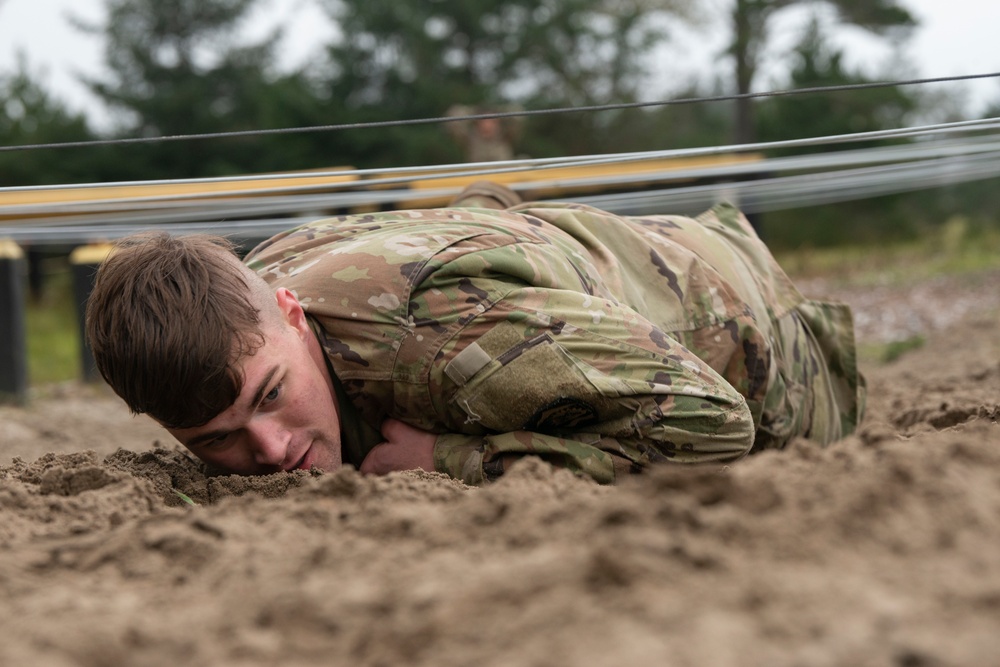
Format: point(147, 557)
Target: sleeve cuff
point(461, 457)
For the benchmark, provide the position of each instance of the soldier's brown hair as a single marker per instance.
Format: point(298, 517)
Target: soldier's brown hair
point(168, 319)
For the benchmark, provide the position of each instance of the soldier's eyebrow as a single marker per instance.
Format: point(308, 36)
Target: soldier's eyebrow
point(257, 398)
point(205, 437)
point(262, 387)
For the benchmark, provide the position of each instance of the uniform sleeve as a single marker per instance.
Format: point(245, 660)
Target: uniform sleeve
point(583, 382)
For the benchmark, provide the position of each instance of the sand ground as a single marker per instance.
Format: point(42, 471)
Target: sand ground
point(882, 549)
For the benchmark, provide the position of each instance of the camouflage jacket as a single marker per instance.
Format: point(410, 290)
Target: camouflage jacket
point(598, 342)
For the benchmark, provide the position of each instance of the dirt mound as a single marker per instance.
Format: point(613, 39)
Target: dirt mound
point(880, 549)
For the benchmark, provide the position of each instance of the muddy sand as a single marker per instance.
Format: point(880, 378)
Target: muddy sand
point(882, 549)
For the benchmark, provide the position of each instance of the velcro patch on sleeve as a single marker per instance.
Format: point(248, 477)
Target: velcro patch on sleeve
point(467, 363)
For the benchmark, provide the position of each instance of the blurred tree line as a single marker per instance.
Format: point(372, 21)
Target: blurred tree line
point(175, 67)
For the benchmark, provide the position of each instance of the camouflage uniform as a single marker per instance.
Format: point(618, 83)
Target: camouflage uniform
point(597, 342)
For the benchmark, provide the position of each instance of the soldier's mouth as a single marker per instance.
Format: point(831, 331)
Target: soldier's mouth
point(304, 463)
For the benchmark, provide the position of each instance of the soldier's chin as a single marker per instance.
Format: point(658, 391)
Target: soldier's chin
point(321, 456)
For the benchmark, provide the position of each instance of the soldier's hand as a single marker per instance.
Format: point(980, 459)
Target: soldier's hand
point(405, 448)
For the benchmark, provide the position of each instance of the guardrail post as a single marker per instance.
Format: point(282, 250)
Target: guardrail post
point(84, 261)
point(13, 349)
point(36, 278)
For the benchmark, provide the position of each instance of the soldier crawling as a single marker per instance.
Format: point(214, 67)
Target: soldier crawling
point(458, 339)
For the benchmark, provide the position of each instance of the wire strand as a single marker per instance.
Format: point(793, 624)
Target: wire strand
point(522, 113)
point(408, 175)
point(758, 185)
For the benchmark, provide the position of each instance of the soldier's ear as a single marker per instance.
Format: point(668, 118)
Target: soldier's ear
point(291, 310)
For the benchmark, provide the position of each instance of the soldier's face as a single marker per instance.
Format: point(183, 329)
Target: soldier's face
point(488, 128)
point(285, 417)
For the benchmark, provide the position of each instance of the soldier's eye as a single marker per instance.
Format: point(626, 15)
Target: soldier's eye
point(273, 394)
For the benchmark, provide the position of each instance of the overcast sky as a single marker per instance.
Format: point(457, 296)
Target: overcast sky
point(956, 37)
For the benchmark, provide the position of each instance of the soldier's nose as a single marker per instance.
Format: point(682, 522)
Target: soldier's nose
point(268, 441)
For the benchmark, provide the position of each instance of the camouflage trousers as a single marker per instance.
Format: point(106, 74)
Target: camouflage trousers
point(823, 396)
point(816, 390)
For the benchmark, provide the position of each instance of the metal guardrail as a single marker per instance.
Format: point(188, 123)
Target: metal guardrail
point(82, 214)
point(252, 208)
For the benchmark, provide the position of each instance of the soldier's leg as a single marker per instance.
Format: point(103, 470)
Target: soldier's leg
point(485, 194)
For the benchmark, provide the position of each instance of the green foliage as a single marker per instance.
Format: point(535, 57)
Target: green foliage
point(486, 51)
point(898, 348)
point(666, 127)
point(179, 67)
point(29, 115)
point(878, 16)
point(184, 497)
point(870, 220)
point(817, 64)
point(172, 63)
point(880, 353)
point(959, 246)
point(415, 60)
point(53, 343)
point(751, 19)
point(175, 68)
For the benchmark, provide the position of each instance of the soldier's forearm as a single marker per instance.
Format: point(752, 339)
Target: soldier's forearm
point(478, 459)
point(719, 435)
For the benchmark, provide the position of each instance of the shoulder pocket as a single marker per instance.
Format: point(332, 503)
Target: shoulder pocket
point(530, 384)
